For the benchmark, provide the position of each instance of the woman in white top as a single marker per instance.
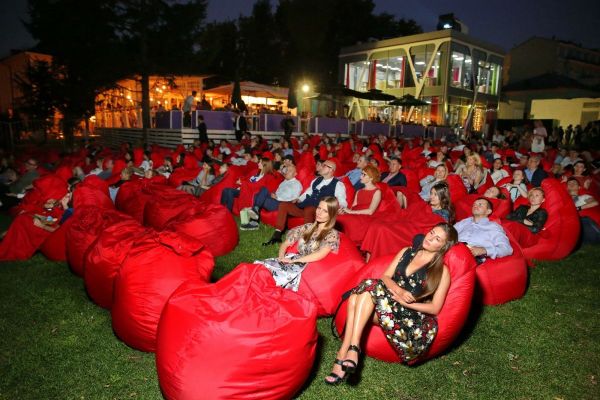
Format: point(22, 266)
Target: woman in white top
point(498, 173)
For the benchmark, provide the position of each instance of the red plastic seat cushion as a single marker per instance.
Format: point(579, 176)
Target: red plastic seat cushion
point(242, 337)
point(154, 267)
point(451, 318)
point(132, 198)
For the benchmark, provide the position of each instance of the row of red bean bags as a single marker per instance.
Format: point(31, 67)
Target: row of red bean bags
point(463, 207)
point(324, 281)
point(156, 264)
point(562, 229)
point(242, 337)
point(355, 226)
point(502, 279)
point(451, 318)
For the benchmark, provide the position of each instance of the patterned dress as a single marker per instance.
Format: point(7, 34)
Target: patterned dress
point(409, 332)
point(288, 276)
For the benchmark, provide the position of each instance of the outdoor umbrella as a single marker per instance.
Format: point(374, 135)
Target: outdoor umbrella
point(408, 100)
point(375, 95)
point(339, 91)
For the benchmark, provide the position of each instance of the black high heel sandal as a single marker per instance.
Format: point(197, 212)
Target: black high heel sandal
point(336, 378)
point(349, 369)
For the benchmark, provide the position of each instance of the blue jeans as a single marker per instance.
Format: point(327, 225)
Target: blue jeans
point(264, 200)
point(228, 196)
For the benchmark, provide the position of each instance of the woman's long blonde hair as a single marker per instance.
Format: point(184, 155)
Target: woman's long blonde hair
point(332, 209)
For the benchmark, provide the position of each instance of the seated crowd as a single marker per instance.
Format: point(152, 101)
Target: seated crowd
point(381, 193)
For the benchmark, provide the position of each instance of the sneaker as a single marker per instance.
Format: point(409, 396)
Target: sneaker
point(252, 214)
point(250, 226)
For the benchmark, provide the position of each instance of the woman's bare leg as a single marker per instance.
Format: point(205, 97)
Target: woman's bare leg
point(363, 313)
point(341, 354)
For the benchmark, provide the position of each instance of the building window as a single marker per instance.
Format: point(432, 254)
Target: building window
point(357, 75)
point(461, 71)
point(420, 56)
point(396, 68)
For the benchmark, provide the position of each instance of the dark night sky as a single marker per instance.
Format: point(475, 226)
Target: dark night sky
point(505, 23)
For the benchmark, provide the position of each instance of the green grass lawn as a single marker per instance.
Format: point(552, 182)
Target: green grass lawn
point(56, 344)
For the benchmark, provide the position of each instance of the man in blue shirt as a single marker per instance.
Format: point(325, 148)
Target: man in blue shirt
point(483, 237)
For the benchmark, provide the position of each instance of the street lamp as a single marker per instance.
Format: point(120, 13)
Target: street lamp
point(305, 88)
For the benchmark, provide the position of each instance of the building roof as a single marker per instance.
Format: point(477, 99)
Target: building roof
point(547, 81)
point(421, 37)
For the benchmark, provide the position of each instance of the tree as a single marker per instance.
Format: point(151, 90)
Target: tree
point(98, 42)
point(78, 36)
point(158, 37)
point(39, 93)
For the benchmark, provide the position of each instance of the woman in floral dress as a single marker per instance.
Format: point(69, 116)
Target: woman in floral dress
point(314, 242)
point(403, 302)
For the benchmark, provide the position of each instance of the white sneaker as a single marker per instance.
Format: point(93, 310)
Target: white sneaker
point(252, 214)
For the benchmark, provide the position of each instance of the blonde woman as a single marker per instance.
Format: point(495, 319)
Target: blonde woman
point(314, 242)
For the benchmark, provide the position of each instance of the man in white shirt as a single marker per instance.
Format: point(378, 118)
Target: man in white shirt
point(187, 109)
point(324, 185)
point(483, 237)
point(288, 190)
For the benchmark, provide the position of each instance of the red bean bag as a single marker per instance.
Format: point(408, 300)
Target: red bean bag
point(463, 207)
point(88, 222)
point(457, 187)
point(326, 280)
point(154, 267)
point(104, 258)
point(132, 198)
point(561, 231)
point(451, 318)
point(355, 226)
point(92, 191)
point(249, 189)
point(212, 224)
point(213, 195)
point(240, 338)
point(387, 235)
point(166, 203)
point(54, 247)
point(502, 279)
point(181, 175)
point(22, 239)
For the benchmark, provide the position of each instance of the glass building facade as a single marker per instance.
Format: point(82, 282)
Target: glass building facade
point(449, 70)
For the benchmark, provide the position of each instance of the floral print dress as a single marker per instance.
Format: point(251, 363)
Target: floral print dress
point(288, 276)
point(409, 332)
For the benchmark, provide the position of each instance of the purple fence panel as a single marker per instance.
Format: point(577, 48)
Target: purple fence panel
point(413, 130)
point(176, 119)
point(215, 120)
point(370, 128)
point(330, 125)
point(163, 119)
